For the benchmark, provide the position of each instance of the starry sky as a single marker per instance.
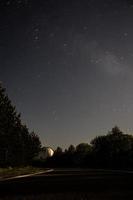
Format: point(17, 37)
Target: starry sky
point(68, 66)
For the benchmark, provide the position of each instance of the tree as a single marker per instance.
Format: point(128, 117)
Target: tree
point(71, 149)
point(58, 151)
point(34, 144)
point(114, 149)
point(15, 140)
point(83, 148)
point(9, 119)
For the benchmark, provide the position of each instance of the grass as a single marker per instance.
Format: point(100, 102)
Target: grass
point(11, 172)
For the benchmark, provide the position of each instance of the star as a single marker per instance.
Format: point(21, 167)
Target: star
point(125, 34)
point(85, 28)
point(65, 44)
point(36, 38)
point(51, 34)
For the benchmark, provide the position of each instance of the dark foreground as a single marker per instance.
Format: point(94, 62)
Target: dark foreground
point(70, 184)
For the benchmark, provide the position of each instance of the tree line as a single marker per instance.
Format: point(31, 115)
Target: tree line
point(18, 146)
point(114, 150)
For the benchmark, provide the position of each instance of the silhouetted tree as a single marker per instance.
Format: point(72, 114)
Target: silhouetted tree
point(58, 151)
point(113, 150)
point(69, 155)
point(15, 141)
point(82, 150)
point(71, 149)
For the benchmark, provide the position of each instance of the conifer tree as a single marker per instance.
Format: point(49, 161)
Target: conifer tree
point(17, 145)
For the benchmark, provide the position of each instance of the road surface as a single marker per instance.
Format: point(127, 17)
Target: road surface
point(116, 183)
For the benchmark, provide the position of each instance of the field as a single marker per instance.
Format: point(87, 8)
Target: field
point(70, 184)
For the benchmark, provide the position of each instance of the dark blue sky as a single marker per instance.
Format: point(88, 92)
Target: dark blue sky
point(67, 66)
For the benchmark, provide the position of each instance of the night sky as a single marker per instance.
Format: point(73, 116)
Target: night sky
point(68, 66)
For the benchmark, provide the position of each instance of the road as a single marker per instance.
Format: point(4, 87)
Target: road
point(119, 183)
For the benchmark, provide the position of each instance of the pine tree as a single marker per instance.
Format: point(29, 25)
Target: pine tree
point(16, 143)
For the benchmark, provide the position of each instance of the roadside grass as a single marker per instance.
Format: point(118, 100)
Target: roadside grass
point(17, 171)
